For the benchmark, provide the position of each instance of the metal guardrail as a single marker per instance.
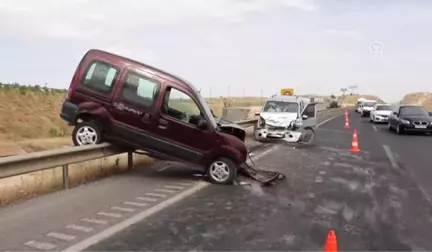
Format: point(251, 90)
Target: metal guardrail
point(43, 160)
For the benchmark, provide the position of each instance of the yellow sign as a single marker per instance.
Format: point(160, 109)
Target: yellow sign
point(287, 91)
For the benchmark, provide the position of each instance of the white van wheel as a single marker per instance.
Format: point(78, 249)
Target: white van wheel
point(222, 171)
point(86, 133)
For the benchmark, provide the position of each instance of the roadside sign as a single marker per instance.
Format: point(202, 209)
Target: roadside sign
point(287, 91)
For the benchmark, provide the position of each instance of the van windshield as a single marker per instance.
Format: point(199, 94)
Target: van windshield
point(279, 106)
point(369, 104)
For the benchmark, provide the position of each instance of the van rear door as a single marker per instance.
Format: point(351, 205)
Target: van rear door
point(94, 79)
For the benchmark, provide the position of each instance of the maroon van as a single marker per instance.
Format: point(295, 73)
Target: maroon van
point(122, 101)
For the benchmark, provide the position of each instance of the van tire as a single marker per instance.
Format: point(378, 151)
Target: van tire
point(87, 133)
point(222, 167)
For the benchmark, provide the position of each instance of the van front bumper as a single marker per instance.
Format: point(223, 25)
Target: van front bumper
point(69, 112)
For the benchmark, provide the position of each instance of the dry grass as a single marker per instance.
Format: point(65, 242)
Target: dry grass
point(31, 121)
point(419, 98)
point(352, 99)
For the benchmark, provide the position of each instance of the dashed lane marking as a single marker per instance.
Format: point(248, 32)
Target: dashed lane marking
point(123, 209)
point(80, 228)
point(156, 195)
point(135, 203)
point(146, 199)
point(95, 221)
point(61, 236)
point(40, 245)
point(165, 190)
point(373, 126)
point(174, 187)
point(184, 183)
point(113, 215)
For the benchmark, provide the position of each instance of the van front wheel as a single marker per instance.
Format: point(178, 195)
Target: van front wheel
point(86, 133)
point(222, 171)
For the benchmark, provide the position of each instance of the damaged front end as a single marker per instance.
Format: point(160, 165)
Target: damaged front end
point(247, 169)
point(287, 130)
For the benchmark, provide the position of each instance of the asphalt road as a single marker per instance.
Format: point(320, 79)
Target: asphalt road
point(370, 203)
point(372, 200)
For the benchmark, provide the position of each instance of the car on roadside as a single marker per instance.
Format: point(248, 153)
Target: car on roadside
point(115, 99)
point(366, 107)
point(380, 113)
point(410, 118)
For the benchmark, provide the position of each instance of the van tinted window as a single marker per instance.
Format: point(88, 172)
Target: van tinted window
point(100, 76)
point(139, 90)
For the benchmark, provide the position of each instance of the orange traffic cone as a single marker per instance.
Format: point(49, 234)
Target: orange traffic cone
point(354, 144)
point(331, 242)
point(347, 125)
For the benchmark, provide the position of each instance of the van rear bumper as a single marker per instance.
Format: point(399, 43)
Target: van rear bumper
point(69, 112)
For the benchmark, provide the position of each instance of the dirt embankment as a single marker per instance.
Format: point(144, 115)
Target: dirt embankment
point(419, 98)
point(351, 100)
point(30, 121)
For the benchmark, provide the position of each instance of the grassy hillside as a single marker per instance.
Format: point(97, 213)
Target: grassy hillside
point(352, 99)
point(419, 98)
point(33, 112)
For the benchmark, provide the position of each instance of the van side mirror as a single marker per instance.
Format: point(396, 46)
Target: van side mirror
point(202, 124)
point(304, 117)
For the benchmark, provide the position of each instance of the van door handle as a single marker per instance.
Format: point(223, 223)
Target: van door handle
point(163, 124)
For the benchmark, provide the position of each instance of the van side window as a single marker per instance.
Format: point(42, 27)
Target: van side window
point(181, 106)
point(139, 90)
point(100, 76)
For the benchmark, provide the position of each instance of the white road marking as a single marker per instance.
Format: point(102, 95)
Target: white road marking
point(373, 126)
point(328, 120)
point(135, 203)
point(114, 215)
point(146, 213)
point(156, 195)
point(40, 245)
point(61, 236)
point(164, 190)
point(146, 199)
point(184, 184)
point(390, 157)
point(80, 228)
point(95, 221)
point(395, 165)
point(174, 187)
point(124, 209)
point(164, 168)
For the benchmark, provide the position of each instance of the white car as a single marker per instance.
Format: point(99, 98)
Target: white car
point(381, 113)
point(366, 107)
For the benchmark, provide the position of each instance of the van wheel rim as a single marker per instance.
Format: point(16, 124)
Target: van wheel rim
point(219, 171)
point(86, 135)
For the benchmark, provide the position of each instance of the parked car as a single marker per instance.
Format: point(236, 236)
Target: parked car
point(366, 107)
point(119, 100)
point(381, 113)
point(410, 118)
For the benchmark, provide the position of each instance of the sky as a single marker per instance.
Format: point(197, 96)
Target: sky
point(229, 47)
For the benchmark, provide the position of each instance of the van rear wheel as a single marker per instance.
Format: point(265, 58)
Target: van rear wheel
point(86, 133)
point(222, 171)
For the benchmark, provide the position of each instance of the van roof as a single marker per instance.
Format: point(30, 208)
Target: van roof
point(287, 98)
point(128, 61)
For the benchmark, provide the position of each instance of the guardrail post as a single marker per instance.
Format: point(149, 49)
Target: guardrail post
point(65, 176)
point(130, 160)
